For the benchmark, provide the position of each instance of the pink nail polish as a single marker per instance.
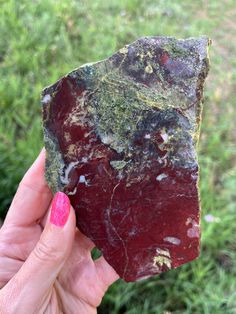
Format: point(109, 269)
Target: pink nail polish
point(60, 209)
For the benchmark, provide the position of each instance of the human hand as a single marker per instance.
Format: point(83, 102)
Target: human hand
point(45, 262)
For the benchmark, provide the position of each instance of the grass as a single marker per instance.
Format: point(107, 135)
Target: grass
point(42, 40)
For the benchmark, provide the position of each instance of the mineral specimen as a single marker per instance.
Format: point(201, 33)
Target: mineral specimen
point(121, 138)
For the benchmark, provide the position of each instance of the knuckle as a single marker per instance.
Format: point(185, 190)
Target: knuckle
point(47, 253)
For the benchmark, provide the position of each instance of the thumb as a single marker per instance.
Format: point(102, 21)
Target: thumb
point(31, 285)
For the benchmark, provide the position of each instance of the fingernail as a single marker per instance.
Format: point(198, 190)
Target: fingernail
point(60, 209)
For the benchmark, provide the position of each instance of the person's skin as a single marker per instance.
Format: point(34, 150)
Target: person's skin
point(45, 262)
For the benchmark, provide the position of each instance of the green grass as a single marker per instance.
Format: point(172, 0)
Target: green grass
point(42, 40)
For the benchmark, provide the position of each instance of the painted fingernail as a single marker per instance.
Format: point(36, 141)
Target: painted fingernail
point(60, 209)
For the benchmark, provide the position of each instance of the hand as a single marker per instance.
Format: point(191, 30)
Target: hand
point(45, 262)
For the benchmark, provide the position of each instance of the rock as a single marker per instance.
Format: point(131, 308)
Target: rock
point(121, 138)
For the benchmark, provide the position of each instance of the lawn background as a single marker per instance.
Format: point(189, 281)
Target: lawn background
point(43, 40)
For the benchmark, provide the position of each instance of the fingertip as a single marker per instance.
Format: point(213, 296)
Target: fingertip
point(33, 195)
point(49, 215)
point(35, 176)
point(106, 272)
point(72, 217)
point(60, 209)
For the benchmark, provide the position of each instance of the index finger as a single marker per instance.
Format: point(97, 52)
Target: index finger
point(33, 196)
